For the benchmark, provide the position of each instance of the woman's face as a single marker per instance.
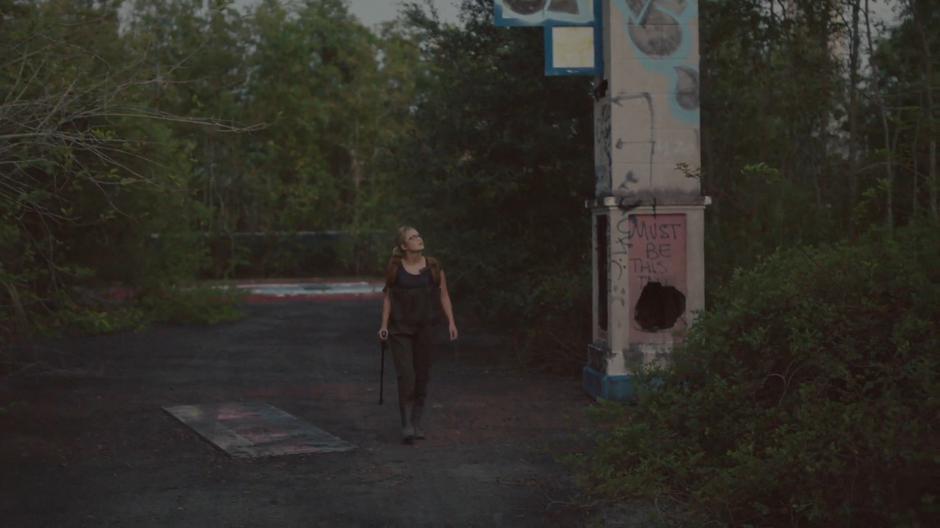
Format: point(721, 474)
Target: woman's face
point(413, 241)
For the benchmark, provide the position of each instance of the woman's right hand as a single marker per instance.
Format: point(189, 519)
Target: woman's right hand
point(383, 333)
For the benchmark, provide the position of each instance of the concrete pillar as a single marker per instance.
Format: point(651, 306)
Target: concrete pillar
point(648, 211)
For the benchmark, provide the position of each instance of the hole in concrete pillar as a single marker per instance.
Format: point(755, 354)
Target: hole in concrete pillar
point(658, 307)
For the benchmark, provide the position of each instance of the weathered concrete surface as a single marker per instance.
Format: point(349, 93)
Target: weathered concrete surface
point(89, 444)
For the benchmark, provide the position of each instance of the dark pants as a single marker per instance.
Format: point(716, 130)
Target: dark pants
point(412, 353)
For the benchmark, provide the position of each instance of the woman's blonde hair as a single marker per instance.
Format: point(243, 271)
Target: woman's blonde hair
point(399, 240)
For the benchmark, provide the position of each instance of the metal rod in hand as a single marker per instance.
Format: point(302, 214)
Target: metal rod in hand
point(382, 373)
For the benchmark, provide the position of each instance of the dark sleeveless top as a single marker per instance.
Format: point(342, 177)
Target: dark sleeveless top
point(408, 280)
point(415, 301)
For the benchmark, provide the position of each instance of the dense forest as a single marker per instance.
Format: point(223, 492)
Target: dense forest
point(157, 144)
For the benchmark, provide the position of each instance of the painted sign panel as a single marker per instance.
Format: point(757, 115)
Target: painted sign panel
point(543, 12)
point(572, 47)
point(656, 269)
point(573, 50)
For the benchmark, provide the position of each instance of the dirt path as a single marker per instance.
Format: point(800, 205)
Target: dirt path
point(89, 445)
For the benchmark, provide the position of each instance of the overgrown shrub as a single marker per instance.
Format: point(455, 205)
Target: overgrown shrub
point(85, 320)
point(196, 304)
point(555, 319)
point(90, 312)
point(807, 395)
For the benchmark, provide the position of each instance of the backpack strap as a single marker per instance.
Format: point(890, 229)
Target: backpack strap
point(391, 271)
point(435, 266)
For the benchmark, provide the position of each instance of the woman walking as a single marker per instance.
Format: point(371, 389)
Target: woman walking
point(415, 294)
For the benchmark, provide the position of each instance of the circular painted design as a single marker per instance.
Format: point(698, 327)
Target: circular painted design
point(658, 36)
point(525, 7)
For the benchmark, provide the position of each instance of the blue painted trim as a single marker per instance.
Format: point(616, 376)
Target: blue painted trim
point(599, 65)
point(549, 53)
point(603, 386)
point(541, 18)
point(598, 24)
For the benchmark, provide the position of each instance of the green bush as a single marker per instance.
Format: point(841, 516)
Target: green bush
point(87, 313)
point(85, 320)
point(201, 305)
point(554, 315)
point(806, 396)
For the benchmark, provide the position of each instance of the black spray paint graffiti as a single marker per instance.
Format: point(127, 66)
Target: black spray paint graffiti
point(660, 305)
point(630, 177)
point(655, 243)
point(602, 136)
point(620, 249)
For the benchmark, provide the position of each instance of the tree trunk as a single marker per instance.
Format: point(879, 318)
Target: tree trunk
point(915, 203)
point(932, 182)
point(854, 45)
point(883, 110)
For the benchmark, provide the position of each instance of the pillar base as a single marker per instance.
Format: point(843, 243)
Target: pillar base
point(604, 386)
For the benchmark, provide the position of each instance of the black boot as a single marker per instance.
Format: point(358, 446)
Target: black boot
point(407, 429)
point(416, 413)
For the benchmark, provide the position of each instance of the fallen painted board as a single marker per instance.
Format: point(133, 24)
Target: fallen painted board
point(256, 429)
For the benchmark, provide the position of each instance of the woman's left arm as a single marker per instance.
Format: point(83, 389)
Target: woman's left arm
point(448, 308)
